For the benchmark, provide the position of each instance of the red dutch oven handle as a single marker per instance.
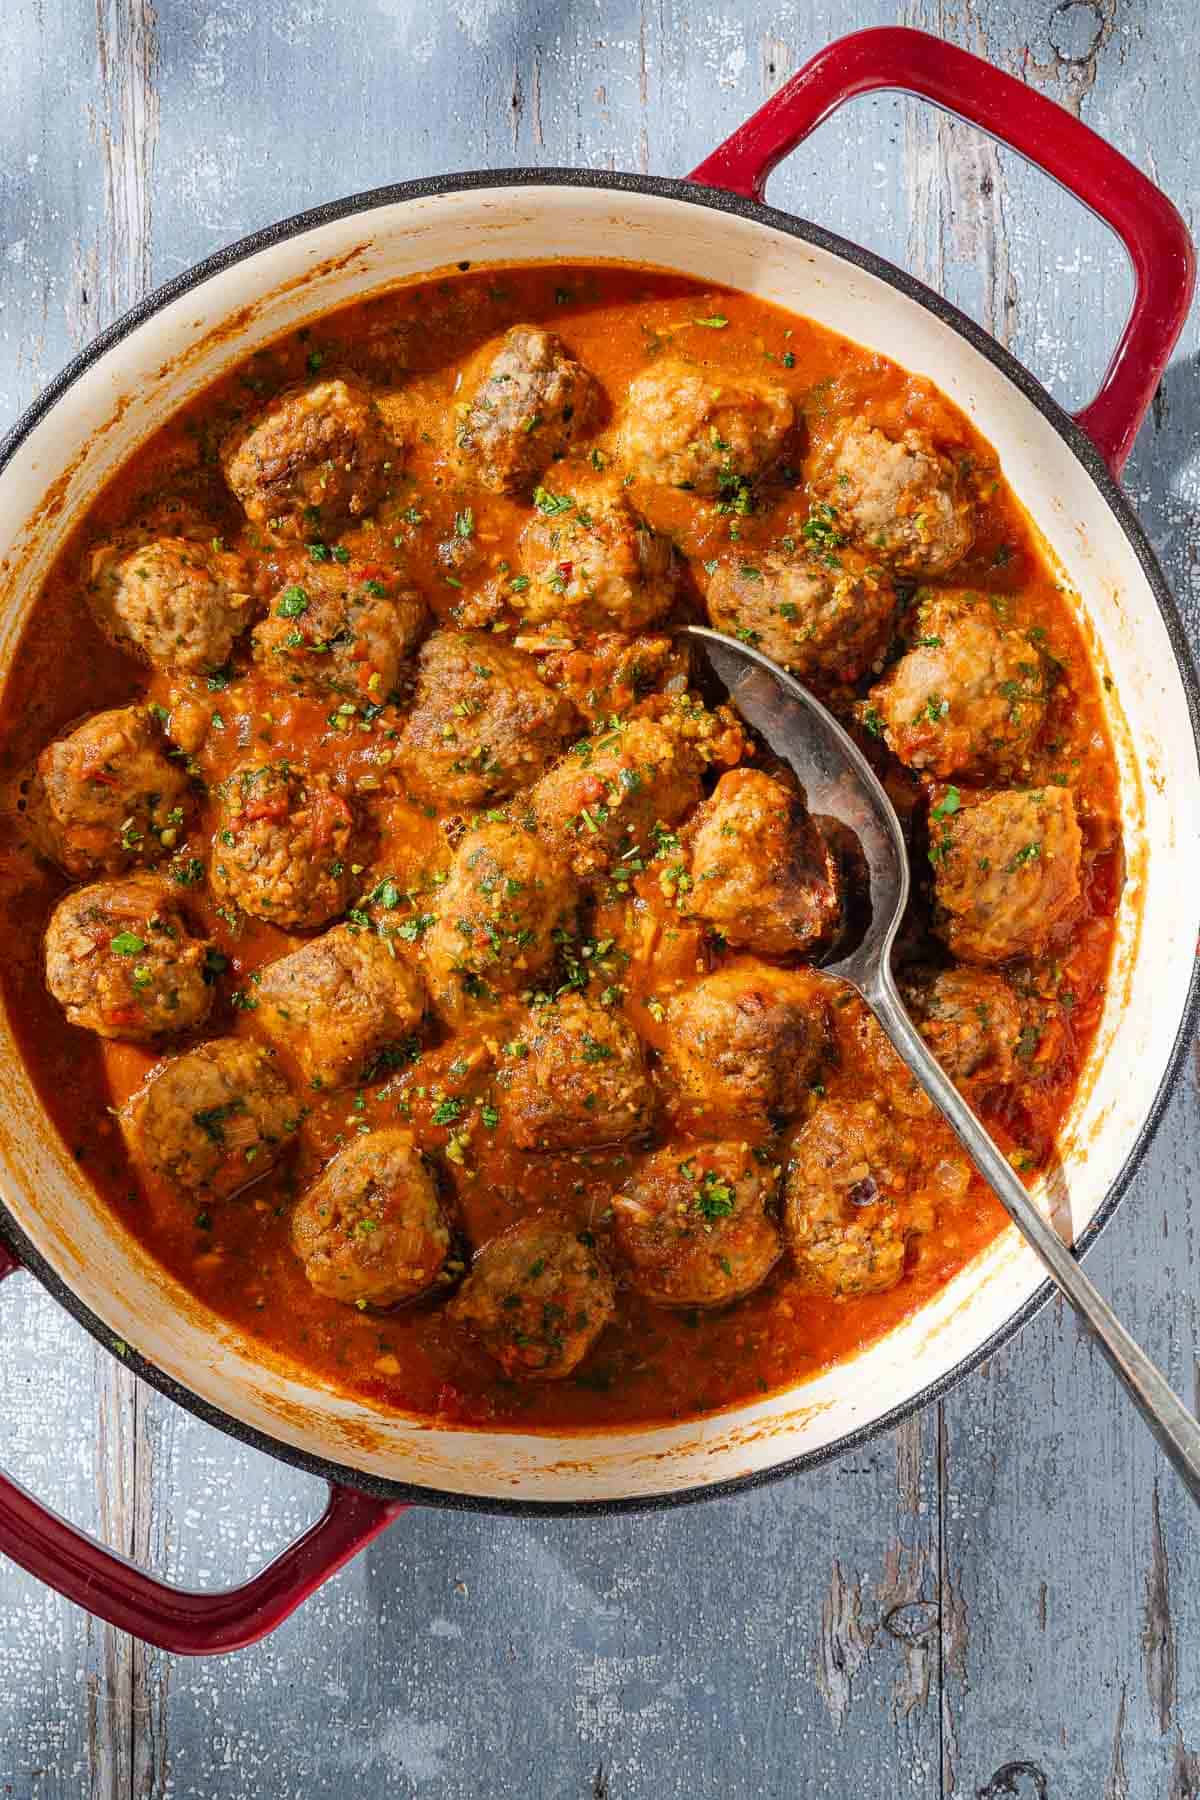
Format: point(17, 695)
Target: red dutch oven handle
point(1152, 231)
point(173, 1618)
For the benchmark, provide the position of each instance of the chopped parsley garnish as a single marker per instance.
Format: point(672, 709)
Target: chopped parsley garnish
point(127, 943)
point(446, 1111)
point(949, 803)
point(292, 602)
point(552, 505)
point(413, 930)
point(212, 1119)
point(734, 495)
point(820, 528)
point(714, 322)
point(714, 1197)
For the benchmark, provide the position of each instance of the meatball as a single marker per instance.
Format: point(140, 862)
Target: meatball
point(281, 850)
point(106, 796)
point(610, 790)
point(903, 499)
point(827, 619)
point(537, 1298)
point(180, 603)
point(504, 901)
point(971, 1020)
point(591, 561)
point(744, 1043)
point(683, 428)
point(761, 873)
point(532, 404)
point(339, 1003)
point(582, 1081)
point(213, 1119)
point(315, 459)
point(341, 632)
point(482, 725)
point(1006, 871)
point(370, 1231)
point(853, 1197)
point(692, 1224)
point(969, 697)
point(121, 960)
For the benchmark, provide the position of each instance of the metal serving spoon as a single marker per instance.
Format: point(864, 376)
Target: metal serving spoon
point(840, 783)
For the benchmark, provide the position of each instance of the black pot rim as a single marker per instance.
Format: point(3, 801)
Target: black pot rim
point(1084, 452)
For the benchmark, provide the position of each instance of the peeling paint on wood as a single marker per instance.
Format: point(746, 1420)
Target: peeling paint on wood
point(1003, 1598)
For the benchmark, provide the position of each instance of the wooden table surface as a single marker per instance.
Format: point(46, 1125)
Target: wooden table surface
point(1003, 1597)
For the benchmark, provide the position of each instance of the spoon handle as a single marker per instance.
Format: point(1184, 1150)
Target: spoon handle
point(1177, 1432)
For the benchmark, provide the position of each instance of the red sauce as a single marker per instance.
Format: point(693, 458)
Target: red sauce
point(235, 1257)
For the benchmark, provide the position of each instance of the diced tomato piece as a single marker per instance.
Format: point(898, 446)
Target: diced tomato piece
point(272, 806)
point(125, 1015)
point(328, 812)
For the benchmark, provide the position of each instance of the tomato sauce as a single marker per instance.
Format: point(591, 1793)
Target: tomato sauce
point(235, 1256)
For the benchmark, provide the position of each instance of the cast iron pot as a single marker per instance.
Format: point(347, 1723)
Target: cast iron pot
point(716, 226)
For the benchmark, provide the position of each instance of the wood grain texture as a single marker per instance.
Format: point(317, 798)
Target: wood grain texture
point(999, 1600)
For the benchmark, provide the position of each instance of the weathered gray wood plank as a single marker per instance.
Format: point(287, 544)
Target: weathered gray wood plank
point(997, 1584)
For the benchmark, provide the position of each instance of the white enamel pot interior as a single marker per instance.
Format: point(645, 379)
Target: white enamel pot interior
point(117, 394)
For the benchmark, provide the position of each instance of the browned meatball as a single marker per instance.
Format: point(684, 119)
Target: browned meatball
point(482, 725)
point(610, 790)
point(178, 601)
point(580, 1079)
point(744, 1043)
point(370, 1231)
point(121, 960)
point(1006, 871)
point(316, 458)
point(854, 1196)
point(505, 899)
point(537, 1298)
point(692, 1224)
point(825, 619)
point(339, 1003)
point(213, 1119)
point(341, 632)
point(682, 427)
point(106, 796)
point(761, 873)
point(588, 559)
point(863, 1045)
point(970, 1019)
point(531, 403)
point(970, 695)
point(901, 498)
point(282, 848)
